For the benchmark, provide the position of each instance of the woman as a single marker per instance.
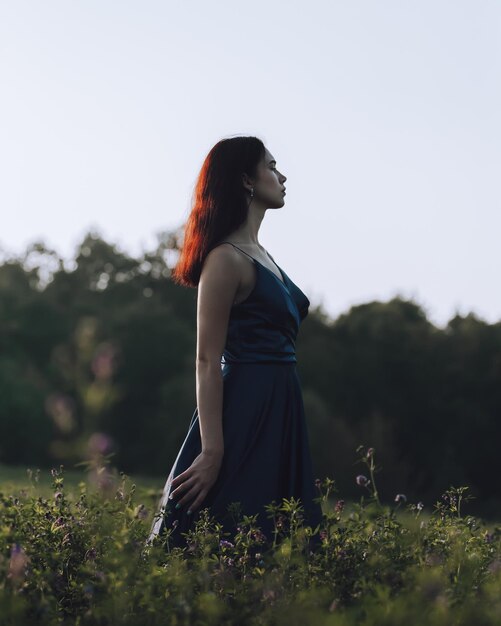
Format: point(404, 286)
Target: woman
point(247, 441)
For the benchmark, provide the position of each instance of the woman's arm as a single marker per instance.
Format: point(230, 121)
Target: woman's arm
point(217, 289)
point(216, 292)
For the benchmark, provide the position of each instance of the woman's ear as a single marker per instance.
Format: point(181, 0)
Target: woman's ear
point(247, 181)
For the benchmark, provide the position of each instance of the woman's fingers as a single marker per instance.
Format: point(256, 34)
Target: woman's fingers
point(196, 481)
point(188, 496)
point(198, 501)
point(175, 493)
point(181, 477)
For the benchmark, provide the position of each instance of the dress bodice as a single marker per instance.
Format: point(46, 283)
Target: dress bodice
point(263, 327)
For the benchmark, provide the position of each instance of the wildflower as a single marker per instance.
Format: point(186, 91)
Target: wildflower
point(58, 495)
point(91, 554)
point(370, 452)
point(339, 506)
point(104, 361)
point(362, 480)
point(318, 483)
point(419, 506)
point(99, 443)
point(258, 535)
point(17, 563)
point(226, 544)
point(142, 512)
point(280, 521)
point(400, 497)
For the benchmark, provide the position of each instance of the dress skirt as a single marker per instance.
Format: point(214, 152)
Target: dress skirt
point(266, 452)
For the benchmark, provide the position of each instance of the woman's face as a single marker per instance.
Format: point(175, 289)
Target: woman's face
point(269, 186)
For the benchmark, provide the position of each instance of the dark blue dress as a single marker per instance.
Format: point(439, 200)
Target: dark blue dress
point(266, 448)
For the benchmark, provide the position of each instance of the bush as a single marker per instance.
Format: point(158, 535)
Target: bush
point(82, 558)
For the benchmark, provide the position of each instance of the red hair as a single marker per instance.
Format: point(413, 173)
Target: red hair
point(220, 204)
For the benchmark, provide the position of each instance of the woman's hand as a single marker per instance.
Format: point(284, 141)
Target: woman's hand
point(194, 483)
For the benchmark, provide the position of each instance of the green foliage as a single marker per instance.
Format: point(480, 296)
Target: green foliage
point(81, 557)
point(106, 342)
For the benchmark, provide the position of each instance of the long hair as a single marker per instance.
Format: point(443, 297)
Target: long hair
point(220, 204)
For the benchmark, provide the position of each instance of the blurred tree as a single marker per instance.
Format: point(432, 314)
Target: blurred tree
point(100, 350)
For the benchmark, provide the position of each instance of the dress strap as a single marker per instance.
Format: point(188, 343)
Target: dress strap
point(235, 246)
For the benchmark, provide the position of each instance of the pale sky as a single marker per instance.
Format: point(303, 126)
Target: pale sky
point(384, 116)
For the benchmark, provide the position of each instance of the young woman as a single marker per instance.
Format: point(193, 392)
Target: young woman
point(247, 441)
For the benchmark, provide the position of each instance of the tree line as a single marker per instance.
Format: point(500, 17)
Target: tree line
point(106, 344)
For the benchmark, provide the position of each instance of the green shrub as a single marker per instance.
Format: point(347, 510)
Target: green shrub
point(82, 558)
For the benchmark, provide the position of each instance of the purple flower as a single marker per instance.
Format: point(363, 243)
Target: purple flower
point(400, 497)
point(18, 562)
point(258, 535)
point(142, 512)
point(370, 452)
point(91, 554)
point(99, 443)
point(103, 361)
point(339, 506)
point(362, 480)
point(226, 544)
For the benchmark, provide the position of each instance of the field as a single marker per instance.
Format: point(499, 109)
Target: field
point(14, 478)
point(72, 551)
